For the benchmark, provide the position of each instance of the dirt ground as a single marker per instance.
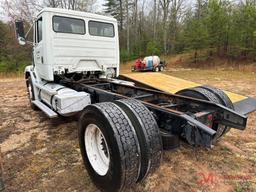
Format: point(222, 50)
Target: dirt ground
point(43, 155)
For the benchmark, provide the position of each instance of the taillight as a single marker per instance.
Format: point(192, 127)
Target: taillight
point(209, 120)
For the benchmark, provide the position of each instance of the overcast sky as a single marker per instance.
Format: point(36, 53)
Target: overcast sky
point(97, 7)
point(2, 17)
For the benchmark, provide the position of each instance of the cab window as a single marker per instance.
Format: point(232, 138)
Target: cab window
point(39, 30)
point(68, 25)
point(97, 28)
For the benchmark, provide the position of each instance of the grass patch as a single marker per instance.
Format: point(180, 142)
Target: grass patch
point(243, 186)
point(193, 74)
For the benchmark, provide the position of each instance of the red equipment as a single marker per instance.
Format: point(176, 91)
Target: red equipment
point(139, 64)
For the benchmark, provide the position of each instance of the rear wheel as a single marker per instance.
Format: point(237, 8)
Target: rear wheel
point(30, 92)
point(148, 135)
point(225, 101)
point(109, 146)
point(161, 68)
point(221, 95)
point(156, 69)
point(97, 149)
point(214, 95)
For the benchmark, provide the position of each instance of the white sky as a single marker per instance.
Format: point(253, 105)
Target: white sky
point(97, 7)
point(2, 16)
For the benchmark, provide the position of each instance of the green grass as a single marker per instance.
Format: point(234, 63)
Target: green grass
point(193, 74)
point(243, 186)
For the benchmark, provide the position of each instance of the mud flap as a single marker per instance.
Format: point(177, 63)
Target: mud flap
point(245, 106)
point(196, 136)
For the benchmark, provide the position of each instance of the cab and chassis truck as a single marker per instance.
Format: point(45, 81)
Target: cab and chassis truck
point(123, 127)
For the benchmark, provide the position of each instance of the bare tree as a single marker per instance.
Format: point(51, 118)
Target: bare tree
point(176, 14)
point(82, 5)
point(127, 26)
point(27, 9)
point(121, 14)
point(154, 20)
point(165, 6)
point(18, 9)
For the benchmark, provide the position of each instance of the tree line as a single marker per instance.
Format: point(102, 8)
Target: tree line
point(13, 58)
point(217, 27)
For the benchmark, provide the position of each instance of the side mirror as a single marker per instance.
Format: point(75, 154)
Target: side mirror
point(20, 32)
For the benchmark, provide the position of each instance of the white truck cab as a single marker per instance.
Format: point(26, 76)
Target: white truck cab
point(67, 41)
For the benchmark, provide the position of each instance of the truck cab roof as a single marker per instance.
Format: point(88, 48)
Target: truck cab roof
point(76, 13)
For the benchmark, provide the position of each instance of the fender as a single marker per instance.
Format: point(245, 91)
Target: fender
point(29, 72)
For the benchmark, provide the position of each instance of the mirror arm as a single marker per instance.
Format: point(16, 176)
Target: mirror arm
point(30, 42)
point(28, 31)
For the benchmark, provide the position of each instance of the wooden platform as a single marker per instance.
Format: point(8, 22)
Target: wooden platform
point(171, 84)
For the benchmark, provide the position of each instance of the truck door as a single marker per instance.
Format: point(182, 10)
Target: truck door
point(38, 48)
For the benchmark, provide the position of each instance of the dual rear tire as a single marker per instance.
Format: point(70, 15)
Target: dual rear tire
point(214, 95)
point(119, 142)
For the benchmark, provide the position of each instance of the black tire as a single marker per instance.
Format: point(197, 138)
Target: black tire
point(221, 95)
point(225, 101)
point(156, 69)
point(122, 142)
point(148, 135)
point(32, 97)
point(161, 68)
point(199, 93)
point(205, 94)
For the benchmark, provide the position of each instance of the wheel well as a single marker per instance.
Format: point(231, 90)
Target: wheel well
point(27, 75)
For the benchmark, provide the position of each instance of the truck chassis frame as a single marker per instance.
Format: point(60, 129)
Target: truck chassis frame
point(176, 115)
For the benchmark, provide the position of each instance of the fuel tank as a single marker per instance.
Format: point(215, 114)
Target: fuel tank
point(64, 101)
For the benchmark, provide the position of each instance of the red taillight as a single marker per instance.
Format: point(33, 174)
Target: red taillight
point(209, 120)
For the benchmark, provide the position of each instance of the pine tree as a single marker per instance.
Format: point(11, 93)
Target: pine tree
point(115, 9)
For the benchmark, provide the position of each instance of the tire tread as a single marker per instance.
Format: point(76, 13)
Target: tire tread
point(127, 142)
point(150, 131)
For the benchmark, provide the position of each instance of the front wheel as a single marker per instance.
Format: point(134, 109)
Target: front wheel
point(30, 92)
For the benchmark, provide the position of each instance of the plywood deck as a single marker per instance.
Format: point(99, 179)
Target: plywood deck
point(171, 84)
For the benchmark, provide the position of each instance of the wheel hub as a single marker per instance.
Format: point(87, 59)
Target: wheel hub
point(103, 146)
point(97, 149)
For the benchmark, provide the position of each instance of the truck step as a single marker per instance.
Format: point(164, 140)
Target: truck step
point(50, 113)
